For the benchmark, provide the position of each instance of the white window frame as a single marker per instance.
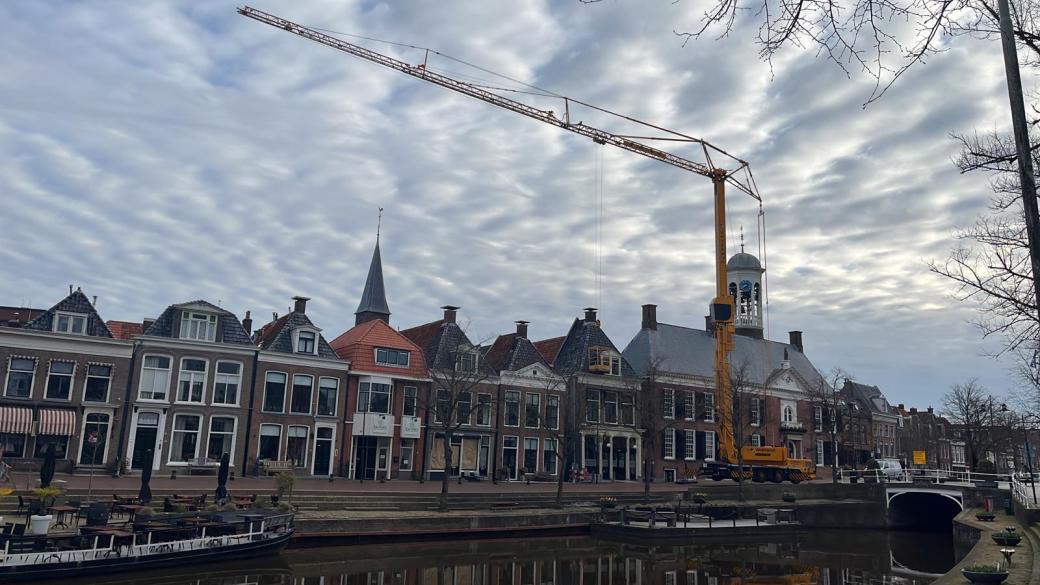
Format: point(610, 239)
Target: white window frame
point(305, 464)
point(553, 423)
point(407, 356)
point(690, 446)
point(72, 380)
point(786, 410)
point(414, 398)
point(689, 405)
point(32, 381)
point(709, 407)
point(191, 376)
point(310, 397)
point(555, 444)
point(317, 396)
point(615, 365)
point(217, 375)
point(819, 453)
point(169, 377)
point(389, 398)
point(411, 458)
point(296, 340)
point(193, 320)
point(97, 461)
point(234, 434)
point(756, 412)
point(108, 388)
point(537, 454)
point(709, 445)
point(756, 440)
point(173, 437)
point(260, 435)
point(72, 318)
point(505, 409)
point(483, 408)
point(537, 409)
point(669, 444)
point(818, 416)
point(668, 403)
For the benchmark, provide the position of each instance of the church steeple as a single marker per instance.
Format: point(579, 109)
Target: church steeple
point(373, 298)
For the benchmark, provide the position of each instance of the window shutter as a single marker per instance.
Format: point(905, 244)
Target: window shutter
point(826, 418)
point(664, 450)
point(700, 445)
point(680, 404)
point(680, 444)
point(699, 406)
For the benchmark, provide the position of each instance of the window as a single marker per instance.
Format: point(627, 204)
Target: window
point(274, 392)
point(13, 445)
point(690, 445)
point(59, 380)
point(512, 409)
point(441, 409)
point(818, 416)
point(467, 362)
point(328, 396)
point(552, 412)
point(610, 402)
point(198, 326)
point(270, 441)
point(689, 409)
point(391, 357)
point(532, 410)
point(669, 443)
point(60, 442)
point(484, 410)
point(305, 342)
point(709, 407)
point(410, 393)
point(155, 378)
point(756, 412)
point(374, 397)
point(627, 409)
point(669, 403)
point(296, 446)
point(99, 378)
point(70, 323)
point(192, 381)
point(819, 453)
point(756, 440)
point(227, 382)
point(788, 413)
point(300, 402)
point(221, 437)
point(407, 453)
point(592, 406)
point(465, 407)
point(184, 441)
point(530, 455)
point(509, 448)
point(549, 457)
point(709, 445)
point(20, 377)
point(615, 366)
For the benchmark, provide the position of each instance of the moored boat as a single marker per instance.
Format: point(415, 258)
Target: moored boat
point(161, 541)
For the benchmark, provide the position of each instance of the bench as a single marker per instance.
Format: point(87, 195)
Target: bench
point(505, 505)
point(202, 466)
point(270, 466)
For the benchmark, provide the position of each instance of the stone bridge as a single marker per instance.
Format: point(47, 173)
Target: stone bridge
point(924, 505)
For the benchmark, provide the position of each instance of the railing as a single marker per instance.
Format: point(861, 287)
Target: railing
point(925, 475)
point(1025, 493)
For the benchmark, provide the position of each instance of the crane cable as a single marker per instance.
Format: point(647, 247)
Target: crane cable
point(599, 229)
point(762, 254)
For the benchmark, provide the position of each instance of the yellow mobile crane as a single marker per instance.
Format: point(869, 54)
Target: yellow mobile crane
point(739, 176)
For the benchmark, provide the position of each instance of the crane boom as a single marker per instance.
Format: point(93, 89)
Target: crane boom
point(739, 177)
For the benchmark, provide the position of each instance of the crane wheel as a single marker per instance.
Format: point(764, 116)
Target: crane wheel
point(776, 476)
point(758, 476)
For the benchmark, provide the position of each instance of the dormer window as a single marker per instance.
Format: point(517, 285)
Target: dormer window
point(198, 326)
point(467, 361)
point(391, 357)
point(305, 342)
point(604, 360)
point(70, 323)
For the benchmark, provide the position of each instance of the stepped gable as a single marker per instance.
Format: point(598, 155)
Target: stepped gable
point(232, 331)
point(76, 302)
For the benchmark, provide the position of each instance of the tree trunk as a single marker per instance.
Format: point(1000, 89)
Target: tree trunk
point(559, 480)
point(740, 476)
point(443, 502)
point(647, 474)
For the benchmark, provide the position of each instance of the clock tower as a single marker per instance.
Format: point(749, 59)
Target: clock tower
point(745, 286)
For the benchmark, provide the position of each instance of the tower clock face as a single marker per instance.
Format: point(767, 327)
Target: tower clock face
point(745, 286)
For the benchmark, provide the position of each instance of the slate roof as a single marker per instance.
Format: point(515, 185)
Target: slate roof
point(228, 323)
point(687, 351)
point(744, 261)
point(511, 352)
point(373, 297)
point(548, 348)
point(440, 340)
point(277, 335)
point(17, 316)
point(573, 355)
point(125, 329)
point(358, 346)
point(870, 396)
point(77, 302)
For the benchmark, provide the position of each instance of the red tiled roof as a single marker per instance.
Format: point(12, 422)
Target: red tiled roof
point(268, 332)
point(422, 334)
point(19, 314)
point(125, 329)
point(499, 351)
point(358, 344)
point(549, 348)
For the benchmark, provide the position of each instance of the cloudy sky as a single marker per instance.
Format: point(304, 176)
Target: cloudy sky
point(156, 152)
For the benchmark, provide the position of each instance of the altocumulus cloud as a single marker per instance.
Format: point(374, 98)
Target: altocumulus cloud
point(156, 152)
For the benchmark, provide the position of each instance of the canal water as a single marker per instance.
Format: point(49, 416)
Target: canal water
point(818, 557)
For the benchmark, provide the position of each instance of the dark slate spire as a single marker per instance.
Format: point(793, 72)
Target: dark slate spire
point(373, 299)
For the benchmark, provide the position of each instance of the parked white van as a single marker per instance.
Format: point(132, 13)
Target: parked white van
point(891, 469)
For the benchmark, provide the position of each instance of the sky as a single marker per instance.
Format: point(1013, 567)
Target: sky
point(157, 152)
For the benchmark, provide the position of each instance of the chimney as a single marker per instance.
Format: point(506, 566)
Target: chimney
point(93, 301)
point(70, 289)
point(449, 313)
point(649, 316)
point(247, 324)
point(902, 407)
point(796, 340)
point(930, 411)
point(274, 315)
point(590, 314)
point(707, 323)
point(521, 328)
point(913, 410)
point(300, 304)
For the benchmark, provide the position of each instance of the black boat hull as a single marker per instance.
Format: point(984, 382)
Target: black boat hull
point(67, 571)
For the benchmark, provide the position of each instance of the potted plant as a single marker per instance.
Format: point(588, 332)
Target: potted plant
point(39, 522)
point(986, 516)
point(1006, 538)
point(788, 497)
point(283, 484)
point(608, 501)
point(700, 498)
point(984, 573)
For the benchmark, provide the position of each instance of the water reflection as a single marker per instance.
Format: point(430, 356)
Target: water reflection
point(817, 558)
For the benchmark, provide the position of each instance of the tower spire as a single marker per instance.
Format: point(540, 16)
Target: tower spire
point(741, 237)
point(373, 299)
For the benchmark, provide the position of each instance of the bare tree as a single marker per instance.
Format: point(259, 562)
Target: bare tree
point(453, 401)
point(745, 392)
point(826, 395)
point(977, 415)
point(559, 431)
point(650, 420)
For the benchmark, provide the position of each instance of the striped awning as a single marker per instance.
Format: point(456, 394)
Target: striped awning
point(15, 420)
point(57, 422)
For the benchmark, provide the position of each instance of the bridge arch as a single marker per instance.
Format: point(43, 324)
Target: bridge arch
point(923, 508)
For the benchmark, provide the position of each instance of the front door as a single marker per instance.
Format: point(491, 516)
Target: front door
point(383, 459)
point(144, 439)
point(365, 458)
point(322, 451)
